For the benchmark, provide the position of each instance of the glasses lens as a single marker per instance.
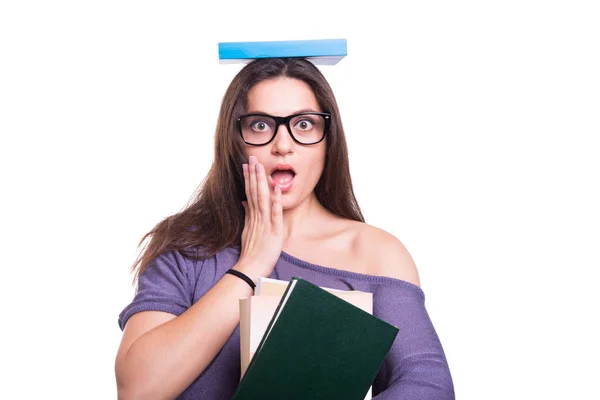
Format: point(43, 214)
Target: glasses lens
point(308, 128)
point(257, 129)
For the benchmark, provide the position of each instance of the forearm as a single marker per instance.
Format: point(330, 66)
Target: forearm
point(163, 362)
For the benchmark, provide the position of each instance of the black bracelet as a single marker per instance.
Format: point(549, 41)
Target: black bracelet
point(242, 276)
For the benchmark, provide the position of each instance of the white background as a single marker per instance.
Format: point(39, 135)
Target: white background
point(473, 135)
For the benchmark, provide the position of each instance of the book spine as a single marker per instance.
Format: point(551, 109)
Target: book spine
point(245, 318)
point(335, 48)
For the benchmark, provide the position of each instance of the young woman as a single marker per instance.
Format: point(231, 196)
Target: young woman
point(277, 202)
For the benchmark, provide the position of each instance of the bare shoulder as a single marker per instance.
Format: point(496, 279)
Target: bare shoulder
point(386, 254)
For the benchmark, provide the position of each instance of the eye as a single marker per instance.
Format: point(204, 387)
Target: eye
point(260, 126)
point(304, 124)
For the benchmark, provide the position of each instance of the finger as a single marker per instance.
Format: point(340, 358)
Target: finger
point(253, 199)
point(245, 205)
point(246, 180)
point(263, 193)
point(246, 221)
point(277, 211)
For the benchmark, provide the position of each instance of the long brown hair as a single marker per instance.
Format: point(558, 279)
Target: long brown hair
point(214, 217)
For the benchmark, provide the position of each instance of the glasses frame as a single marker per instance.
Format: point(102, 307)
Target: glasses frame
point(285, 121)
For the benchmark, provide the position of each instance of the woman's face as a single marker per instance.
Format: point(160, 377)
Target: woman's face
point(281, 97)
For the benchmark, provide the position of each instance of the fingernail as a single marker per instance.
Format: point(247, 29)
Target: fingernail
point(245, 167)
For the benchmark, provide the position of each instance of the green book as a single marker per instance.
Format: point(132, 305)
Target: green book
point(317, 346)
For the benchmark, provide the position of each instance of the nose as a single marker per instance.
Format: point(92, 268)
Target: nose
point(283, 142)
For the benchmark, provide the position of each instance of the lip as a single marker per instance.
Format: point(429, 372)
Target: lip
point(283, 167)
point(288, 185)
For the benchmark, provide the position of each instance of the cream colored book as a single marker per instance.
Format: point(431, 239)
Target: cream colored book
point(257, 311)
point(270, 287)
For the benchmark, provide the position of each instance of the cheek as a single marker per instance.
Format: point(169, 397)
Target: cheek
point(320, 160)
point(256, 151)
point(317, 163)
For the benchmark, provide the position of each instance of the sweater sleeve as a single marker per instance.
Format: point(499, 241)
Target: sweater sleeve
point(416, 366)
point(165, 285)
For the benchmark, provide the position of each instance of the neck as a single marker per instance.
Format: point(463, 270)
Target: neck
point(301, 220)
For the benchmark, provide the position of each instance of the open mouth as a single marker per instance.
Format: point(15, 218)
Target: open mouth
point(283, 176)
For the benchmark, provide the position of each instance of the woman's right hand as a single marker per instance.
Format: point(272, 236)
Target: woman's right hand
point(262, 236)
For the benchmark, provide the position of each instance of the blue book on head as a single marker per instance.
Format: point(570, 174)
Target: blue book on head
point(325, 51)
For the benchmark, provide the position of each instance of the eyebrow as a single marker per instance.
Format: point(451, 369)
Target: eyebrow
point(295, 112)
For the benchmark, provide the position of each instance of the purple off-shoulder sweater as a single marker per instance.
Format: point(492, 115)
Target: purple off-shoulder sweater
point(415, 367)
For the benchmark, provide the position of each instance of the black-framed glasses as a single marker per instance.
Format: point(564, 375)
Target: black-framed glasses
point(305, 128)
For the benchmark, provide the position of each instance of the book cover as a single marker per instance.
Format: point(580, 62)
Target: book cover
point(317, 346)
point(322, 51)
point(257, 311)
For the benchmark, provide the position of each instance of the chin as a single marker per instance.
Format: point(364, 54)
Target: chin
point(288, 204)
point(290, 200)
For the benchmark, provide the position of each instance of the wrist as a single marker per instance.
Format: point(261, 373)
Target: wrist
point(242, 276)
point(250, 271)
